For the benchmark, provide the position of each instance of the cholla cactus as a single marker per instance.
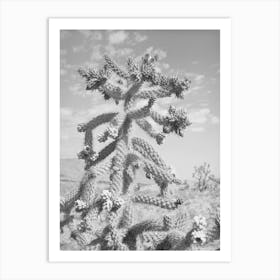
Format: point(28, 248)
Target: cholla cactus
point(107, 218)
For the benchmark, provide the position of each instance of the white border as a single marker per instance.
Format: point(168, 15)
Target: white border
point(55, 25)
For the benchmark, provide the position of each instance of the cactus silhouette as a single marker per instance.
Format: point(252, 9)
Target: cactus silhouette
point(105, 220)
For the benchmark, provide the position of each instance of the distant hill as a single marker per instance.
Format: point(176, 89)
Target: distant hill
point(72, 170)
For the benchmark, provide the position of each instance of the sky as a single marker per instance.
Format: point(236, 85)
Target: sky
point(191, 53)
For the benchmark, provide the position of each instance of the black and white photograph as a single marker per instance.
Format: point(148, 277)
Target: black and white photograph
point(140, 114)
point(140, 140)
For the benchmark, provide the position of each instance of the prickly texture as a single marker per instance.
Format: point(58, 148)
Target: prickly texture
point(117, 167)
point(113, 91)
point(176, 120)
point(174, 240)
point(129, 101)
point(157, 201)
point(67, 202)
point(104, 153)
point(154, 92)
point(88, 193)
point(150, 240)
point(147, 151)
point(132, 233)
point(95, 122)
point(158, 173)
point(148, 128)
point(142, 112)
point(115, 68)
point(106, 219)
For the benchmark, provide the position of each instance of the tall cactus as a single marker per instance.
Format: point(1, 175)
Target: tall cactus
point(126, 154)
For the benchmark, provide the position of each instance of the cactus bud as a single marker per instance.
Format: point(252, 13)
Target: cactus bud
point(82, 127)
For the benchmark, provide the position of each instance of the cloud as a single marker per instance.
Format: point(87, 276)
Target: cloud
point(91, 34)
point(202, 116)
point(66, 67)
point(64, 34)
point(195, 62)
point(153, 51)
point(63, 52)
point(118, 52)
point(96, 35)
point(199, 78)
point(63, 72)
point(213, 80)
point(197, 129)
point(79, 88)
point(138, 38)
point(215, 120)
point(78, 49)
point(89, 38)
point(165, 66)
point(97, 53)
point(117, 37)
point(65, 112)
point(195, 88)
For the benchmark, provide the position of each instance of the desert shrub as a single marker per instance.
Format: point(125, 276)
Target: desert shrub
point(204, 179)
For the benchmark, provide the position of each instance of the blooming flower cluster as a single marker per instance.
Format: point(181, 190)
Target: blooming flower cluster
point(109, 203)
point(199, 233)
point(80, 205)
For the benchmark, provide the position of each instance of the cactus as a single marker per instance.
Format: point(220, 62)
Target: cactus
point(105, 220)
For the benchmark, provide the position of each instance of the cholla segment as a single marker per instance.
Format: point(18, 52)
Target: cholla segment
point(157, 201)
point(148, 151)
point(115, 68)
point(148, 128)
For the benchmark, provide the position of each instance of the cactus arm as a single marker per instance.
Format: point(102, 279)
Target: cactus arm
point(88, 192)
point(147, 151)
point(148, 128)
point(115, 92)
point(100, 170)
point(135, 230)
point(132, 163)
point(159, 174)
point(88, 138)
point(151, 239)
point(69, 199)
point(112, 130)
point(67, 202)
point(156, 201)
point(115, 68)
point(94, 78)
point(142, 112)
point(95, 122)
point(133, 70)
point(129, 101)
point(158, 118)
point(117, 167)
point(103, 154)
point(154, 92)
